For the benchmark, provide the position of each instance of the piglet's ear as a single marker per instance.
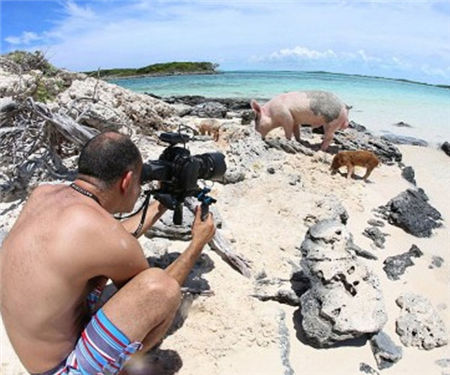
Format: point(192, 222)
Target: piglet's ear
point(255, 106)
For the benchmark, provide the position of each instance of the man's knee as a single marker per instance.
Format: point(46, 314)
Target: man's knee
point(157, 282)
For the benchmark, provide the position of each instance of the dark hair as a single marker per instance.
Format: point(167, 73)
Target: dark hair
point(108, 156)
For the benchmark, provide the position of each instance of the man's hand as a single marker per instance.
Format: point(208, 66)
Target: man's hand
point(202, 231)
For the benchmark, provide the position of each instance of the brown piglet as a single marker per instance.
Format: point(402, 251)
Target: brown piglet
point(210, 127)
point(350, 159)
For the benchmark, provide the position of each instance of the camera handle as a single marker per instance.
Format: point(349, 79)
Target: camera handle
point(206, 201)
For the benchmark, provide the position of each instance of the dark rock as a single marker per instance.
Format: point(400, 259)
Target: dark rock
point(396, 265)
point(367, 369)
point(209, 109)
point(376, 223)
point(289, 146)
point(404, 140)
point(271, 170)
point(232, 104)
point(410, 211)
point(409, 175)
point(376, 235)
point(318, 130)
point(386, 353)
point(247, 117)
point(436, 262)
point(446, 148)
point(402, 124)
point(357, 137)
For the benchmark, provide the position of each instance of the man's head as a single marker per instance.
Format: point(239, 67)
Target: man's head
point(115, 163)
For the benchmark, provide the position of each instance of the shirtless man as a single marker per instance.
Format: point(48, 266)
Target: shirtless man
point(62, 250)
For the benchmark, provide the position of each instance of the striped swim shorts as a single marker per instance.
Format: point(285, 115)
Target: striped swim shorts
point(101, 349)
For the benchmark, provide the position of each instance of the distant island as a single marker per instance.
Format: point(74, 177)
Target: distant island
point(171, 68)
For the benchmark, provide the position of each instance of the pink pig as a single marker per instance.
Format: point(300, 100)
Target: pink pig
point(293, 109)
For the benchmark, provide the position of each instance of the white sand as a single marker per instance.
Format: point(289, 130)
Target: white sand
point(233, 333)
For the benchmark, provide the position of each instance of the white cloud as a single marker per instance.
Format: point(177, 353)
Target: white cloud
point(26, 38)
point(75, 11)
point(302, 53)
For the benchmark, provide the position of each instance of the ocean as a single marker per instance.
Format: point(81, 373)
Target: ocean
point(378, 103)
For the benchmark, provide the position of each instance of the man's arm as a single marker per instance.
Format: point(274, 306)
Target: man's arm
point(154, 212)
point(202, 233)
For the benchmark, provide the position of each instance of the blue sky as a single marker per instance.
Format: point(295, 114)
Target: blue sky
point(398, 39)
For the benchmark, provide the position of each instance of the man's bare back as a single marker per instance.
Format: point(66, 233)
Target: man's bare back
point(59, 242)
point(64, 244)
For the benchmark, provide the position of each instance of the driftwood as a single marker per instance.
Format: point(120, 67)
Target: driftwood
point(222, 247)
point(33, 143)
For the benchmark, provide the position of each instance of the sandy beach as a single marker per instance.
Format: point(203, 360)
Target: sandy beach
point(266, 219)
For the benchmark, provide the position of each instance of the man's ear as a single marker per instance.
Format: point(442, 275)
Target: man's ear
point(126, 181)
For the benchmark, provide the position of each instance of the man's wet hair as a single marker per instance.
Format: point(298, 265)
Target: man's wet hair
point(107, 157)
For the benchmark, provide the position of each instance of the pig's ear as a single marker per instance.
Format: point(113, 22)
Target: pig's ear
point(256, 107)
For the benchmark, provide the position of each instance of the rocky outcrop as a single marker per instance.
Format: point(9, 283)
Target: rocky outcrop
point(231, 104)
point(411, 211)
point(357, 137)
point(386, 353)
point(209, 109)
point(24, 74)
point(103, 105)
point(395, 266)
point(289, 146)
point(344, 301)
point(419, 324)
point(404, 140)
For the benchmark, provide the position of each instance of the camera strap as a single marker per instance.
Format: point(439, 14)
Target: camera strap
point(78, 188)
point(144, 214)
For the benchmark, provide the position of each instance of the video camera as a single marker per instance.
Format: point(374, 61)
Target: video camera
point(179, 171)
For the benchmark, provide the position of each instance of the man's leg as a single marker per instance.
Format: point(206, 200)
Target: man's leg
point(144, 308)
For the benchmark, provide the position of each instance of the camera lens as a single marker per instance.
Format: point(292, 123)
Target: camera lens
point(212, 165)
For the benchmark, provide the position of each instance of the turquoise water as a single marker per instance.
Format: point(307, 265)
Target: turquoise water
point(378, 103)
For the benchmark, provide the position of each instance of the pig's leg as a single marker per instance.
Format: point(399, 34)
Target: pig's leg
point(349, 171)
point(368, 172)
point(297, 132)
point(327, 138)
point(329, 130)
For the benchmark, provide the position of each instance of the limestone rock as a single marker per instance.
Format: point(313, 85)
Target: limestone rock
point(386, 353)
point(344, 301)
point(100, 104)
point(419, 324)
